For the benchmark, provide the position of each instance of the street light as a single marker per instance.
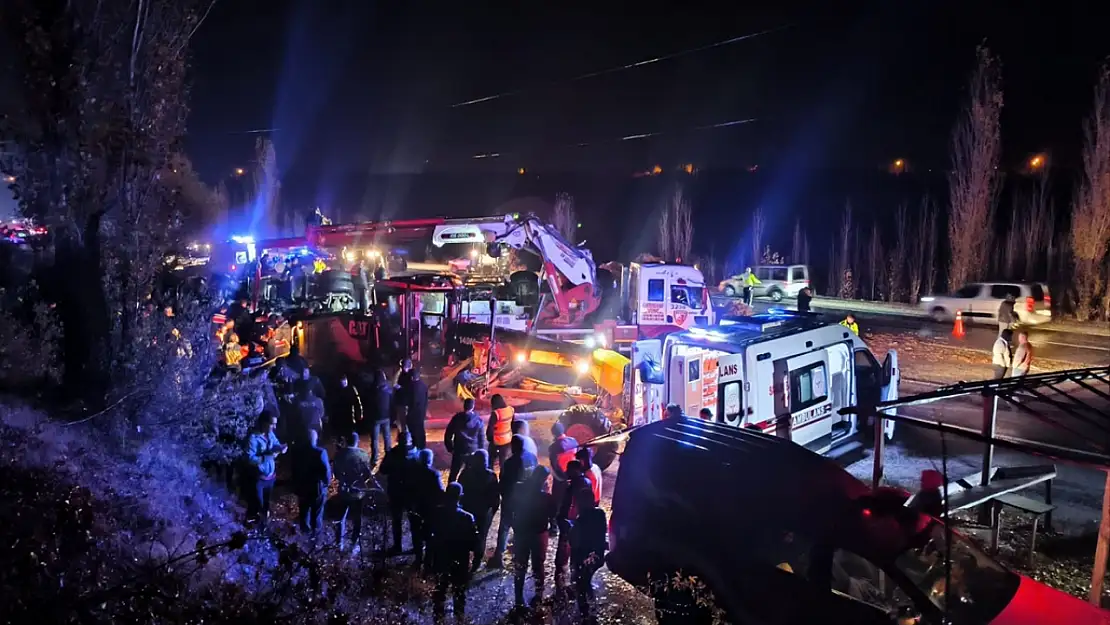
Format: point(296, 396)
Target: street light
point(9, 179)
point(1037, 161)
point(239, 171)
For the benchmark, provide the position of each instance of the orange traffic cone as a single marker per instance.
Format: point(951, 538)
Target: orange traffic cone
point(958, 328)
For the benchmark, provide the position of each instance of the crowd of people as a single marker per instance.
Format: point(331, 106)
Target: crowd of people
point(449, 520)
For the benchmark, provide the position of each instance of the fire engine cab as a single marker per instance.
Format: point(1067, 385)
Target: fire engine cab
point(783, 374)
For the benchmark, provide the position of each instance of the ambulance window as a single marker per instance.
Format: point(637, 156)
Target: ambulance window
point(731, 410)
point(694, 370)
point(808, 386)
point(655, 290)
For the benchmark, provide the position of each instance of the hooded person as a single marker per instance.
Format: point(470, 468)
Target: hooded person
point(515, 470)
point(499, 429)
point(353, 471)
point(535, 510)
point(311, 477)
point(453, 538)
point(588, 542)
point(426, 493)
point(395, 467)
point(481, 498)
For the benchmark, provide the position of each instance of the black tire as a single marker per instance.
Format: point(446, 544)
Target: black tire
point(584, 423)
point(776, 295)
point(730, 290)
point(939, 314)
point(677, 606)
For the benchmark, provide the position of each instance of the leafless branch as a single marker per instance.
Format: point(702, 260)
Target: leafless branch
point(1090, 225)
point(922, 270)
point(759, 225)
point(973, 181)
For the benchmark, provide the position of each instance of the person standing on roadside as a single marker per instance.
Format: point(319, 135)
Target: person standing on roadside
point(427, 494)
point(499, 430)
point(481, 497)
point(1002, 359)
point(805, 298)
point(263, 448)
point(402, 394)
point(381, 408)
point(395, 467)
point(521, 428)
point(345, 409)
point(513, 473)
point(353, 472)
point(463, 437)
point(589, 541)
point(585, 455)
point(535, 509)
point(1023, 356)
point(559, 454)
point(417, 410)
point(311, 477)
point(1006, 315)
point(452, 546)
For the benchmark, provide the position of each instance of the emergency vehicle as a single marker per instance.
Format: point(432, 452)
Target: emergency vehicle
point(779, 373)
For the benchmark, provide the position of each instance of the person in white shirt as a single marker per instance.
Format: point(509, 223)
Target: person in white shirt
point(1023, 356)
point(1002, 358)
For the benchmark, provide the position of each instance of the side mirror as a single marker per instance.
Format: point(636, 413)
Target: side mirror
point(651, 372)
point(888, 369)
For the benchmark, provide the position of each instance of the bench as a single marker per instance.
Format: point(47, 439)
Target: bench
point(1026, 505)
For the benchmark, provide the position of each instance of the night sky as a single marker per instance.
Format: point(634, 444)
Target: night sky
point(367, 87)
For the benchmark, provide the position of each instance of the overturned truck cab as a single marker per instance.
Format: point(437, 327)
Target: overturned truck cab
point(783, 374)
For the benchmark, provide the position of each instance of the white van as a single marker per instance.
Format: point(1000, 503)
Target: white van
point(778, 373)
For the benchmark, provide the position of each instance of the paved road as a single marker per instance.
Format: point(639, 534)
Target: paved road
point(1081, 349)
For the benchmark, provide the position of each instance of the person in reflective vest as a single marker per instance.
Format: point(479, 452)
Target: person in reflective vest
point(499, 430)
point(850, 323)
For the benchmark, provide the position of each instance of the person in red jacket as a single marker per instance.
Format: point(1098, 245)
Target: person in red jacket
point(559, 454)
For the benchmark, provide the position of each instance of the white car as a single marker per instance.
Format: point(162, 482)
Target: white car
point(981, 301)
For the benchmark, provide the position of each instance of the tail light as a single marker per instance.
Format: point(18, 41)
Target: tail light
point(1047, 301)
point(1029, 304)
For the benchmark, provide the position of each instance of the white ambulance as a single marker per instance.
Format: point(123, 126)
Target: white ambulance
point(784, 374)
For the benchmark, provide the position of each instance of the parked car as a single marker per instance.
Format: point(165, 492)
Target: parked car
point(777, 282)
point(980, 301)
point(774, 534)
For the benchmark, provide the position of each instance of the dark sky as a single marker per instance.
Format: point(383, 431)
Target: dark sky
point(362, 86)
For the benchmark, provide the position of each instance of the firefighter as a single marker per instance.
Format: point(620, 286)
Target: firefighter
point(395, 467)
point(534, 511)
point(513, 472)
point(850, 323)
point(499, 430)
point(426, 492)
point(453, 541)
point(749, 282)
point(463, 437)
point(481, 497)
point(311, 477)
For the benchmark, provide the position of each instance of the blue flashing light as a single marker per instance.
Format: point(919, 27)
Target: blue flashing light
point(777, 311)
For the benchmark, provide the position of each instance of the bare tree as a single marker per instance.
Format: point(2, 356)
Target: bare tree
point(844, 284)
point(676, 228)
point(1090, 220)
point(896, 255)
point(973, 181)
point(564, 217)
point(922, 271)
point(1038, 224)
point(759, 225)
point(265, 198)
point(798, 242)
point(876, 260)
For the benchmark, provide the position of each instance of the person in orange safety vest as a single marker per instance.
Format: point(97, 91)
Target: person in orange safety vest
point(499, 430)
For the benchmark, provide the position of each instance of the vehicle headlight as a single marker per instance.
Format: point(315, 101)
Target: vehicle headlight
point(927, 299)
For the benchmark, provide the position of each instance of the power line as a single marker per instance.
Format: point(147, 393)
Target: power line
point(621, 68)
point(631, 137)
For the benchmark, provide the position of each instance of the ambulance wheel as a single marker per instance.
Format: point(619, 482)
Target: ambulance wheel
point(730, 290)
point(584, 423)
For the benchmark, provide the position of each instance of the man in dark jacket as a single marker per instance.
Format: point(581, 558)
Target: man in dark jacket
point(559, 454)
point(381, 408)
point(294, 361)
point(481, 497)
point(352, 471)
point(309, 411)
point(345, 409)
point(418, 410)
point(395, 467)
point(312, 384)
point(426, 492)
point(805, 298)
point(452, 543)
point(311, 476)
point(567, 514)
point(515, 470)
point(465, 435)
point(589, 540)
point(402, 393)
point(1006, 315)
point(534, 511)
